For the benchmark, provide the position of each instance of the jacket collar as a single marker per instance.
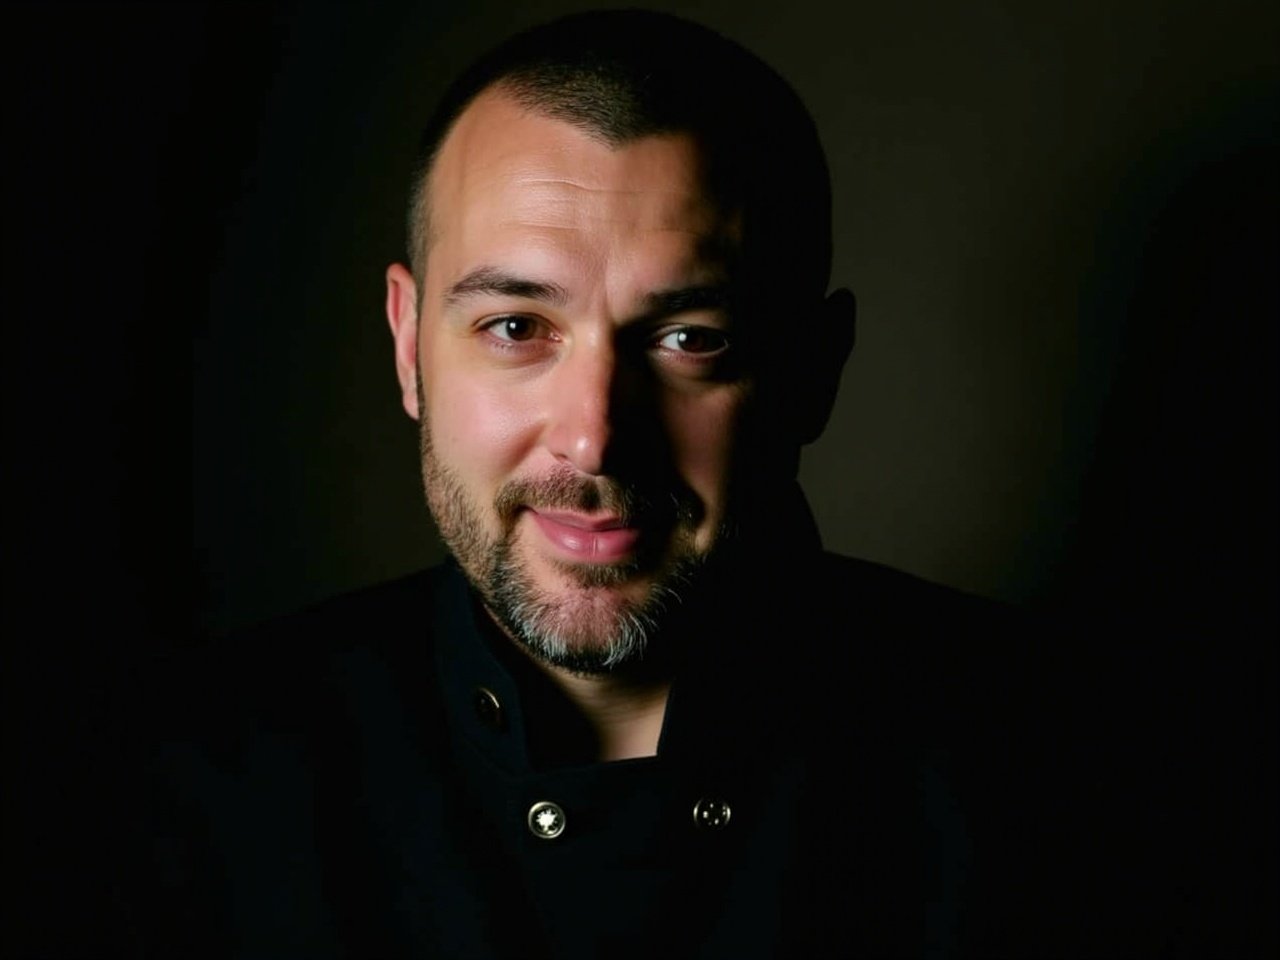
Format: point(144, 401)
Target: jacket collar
point(729, 628)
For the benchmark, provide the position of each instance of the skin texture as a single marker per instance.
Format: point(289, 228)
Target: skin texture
point(588, 415)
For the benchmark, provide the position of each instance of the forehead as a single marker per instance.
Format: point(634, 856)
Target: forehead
point(508, 175)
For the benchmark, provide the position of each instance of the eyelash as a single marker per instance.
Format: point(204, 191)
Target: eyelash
point(685, 356)
point(510, 343)
point(705, 332)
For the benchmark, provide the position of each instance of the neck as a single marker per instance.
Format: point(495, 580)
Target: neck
point(573, 718)
point(625, 715)
point(576, 718)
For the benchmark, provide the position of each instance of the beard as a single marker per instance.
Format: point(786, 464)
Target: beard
point(602, 618)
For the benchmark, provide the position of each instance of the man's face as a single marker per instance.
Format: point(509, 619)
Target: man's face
point(581, 387)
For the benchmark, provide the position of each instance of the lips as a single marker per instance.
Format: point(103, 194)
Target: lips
point(586, 538)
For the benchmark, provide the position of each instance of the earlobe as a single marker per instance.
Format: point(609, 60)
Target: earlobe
point(837, 326)
point(402, 315)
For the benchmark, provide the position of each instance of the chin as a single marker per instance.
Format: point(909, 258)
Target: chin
point(592, 631)
point(585, 618)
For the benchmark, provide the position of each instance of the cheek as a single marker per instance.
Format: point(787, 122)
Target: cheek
point(476, 428)
point(707, 436)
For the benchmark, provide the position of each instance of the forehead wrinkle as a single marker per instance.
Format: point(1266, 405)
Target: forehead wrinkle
point(576, 185)
point(526, 180)
point(552, 202)
point(701, 239)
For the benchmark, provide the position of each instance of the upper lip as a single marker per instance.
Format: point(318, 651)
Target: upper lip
point(584, 521)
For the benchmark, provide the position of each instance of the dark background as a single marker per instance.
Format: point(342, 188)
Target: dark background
point(1060, 220)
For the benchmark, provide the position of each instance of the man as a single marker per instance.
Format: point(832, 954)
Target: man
point(642, 711)
point(600, 339)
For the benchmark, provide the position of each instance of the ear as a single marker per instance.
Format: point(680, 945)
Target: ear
point(402, 314)
point(836, 326)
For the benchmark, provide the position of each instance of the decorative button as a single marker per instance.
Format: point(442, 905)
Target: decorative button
point(488, 708)
point(546, 820)
point(712, 814)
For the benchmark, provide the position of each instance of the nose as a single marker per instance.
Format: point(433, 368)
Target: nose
point(584, 406)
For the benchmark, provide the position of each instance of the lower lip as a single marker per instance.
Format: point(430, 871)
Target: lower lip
point(589, 546)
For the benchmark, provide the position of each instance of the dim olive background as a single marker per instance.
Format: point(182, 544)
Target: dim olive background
point(1058, 218)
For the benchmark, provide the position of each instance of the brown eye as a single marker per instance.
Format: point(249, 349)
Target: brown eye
point(514, 328)
point(695, 340)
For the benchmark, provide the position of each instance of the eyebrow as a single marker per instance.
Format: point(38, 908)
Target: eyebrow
point(492, 281)
point(668, 303)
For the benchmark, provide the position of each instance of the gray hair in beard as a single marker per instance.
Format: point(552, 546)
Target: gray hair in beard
point(588, 631)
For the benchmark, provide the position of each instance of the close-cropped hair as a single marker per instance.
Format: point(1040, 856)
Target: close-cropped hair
point(621, 75)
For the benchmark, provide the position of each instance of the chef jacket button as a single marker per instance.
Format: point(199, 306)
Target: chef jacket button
point(712, 814)
point(488, 708)
point(546, 820)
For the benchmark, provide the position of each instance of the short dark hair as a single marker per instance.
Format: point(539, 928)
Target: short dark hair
point(620, 75)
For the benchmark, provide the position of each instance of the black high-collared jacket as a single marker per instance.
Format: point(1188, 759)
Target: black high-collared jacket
point(853, 763)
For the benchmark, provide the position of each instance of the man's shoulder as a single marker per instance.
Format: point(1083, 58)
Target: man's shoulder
point(359, 615)
point(879, 596)
point(883, 643)
point(285, 672)
point(271, 748)
point(870, 576)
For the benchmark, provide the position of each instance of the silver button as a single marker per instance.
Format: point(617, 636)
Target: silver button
point(546, 820)
point(712, 814)
point(488, 708)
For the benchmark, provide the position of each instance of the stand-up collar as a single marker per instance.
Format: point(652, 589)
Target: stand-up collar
point(729, 626)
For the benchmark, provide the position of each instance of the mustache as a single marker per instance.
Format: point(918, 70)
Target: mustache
point(568, 490)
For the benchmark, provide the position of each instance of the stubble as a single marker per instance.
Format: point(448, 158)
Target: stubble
point(591, 624)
